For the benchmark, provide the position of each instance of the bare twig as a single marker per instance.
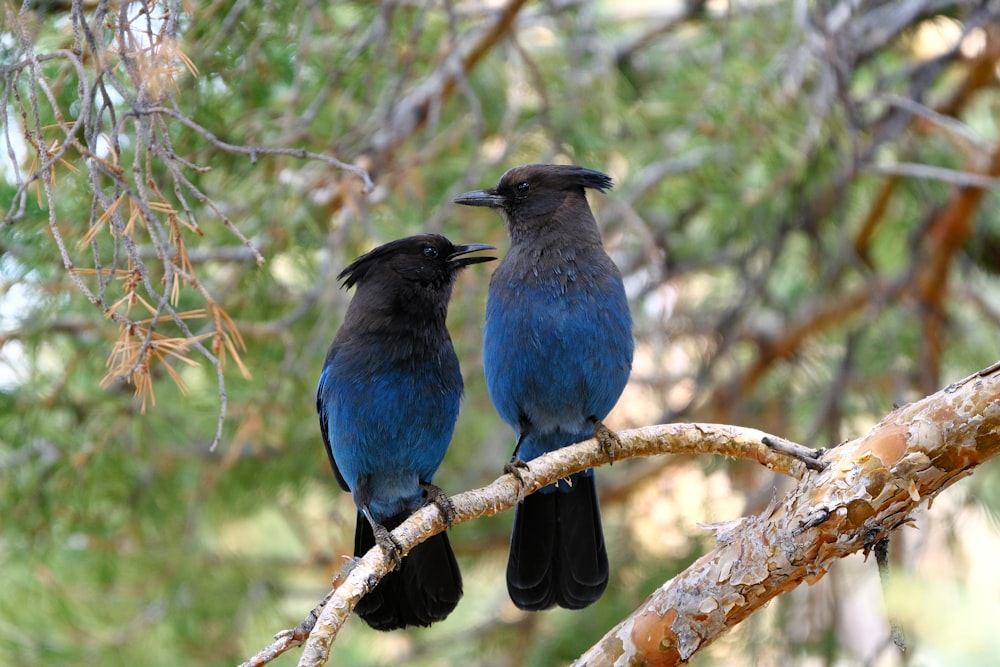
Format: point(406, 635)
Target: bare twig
point(930, 172)
point(253, 152)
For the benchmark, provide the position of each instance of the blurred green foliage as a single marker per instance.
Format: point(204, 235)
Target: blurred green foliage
point(741, 149)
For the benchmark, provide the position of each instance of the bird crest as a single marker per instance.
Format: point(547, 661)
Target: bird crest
point(360, 268)
point(555, 176)
point(425, 258)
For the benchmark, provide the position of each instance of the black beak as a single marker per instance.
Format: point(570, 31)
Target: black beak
point(488, 198)
point(457, 257)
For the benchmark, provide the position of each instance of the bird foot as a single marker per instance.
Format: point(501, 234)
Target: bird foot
point(607, 439)
point(442, 500)
point(391, 546)
point(514, 468)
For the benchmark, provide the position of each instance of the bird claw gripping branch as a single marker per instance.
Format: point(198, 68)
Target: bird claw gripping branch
point(607, 439)
point(391, 546)
point(442, 501)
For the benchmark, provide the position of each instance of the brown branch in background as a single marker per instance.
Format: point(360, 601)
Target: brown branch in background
point(503, 25)
point(876, 214)
point(413, 110)
point(952, 225)
point(808, 325)
point(505, 492)
point(871, 486)
point(949, 228)
point(979, 76)
point(948, 231)
point(981, 73)
point(626, 52)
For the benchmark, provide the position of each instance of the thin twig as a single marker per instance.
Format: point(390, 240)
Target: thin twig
point(254, 151)
point(930, 172)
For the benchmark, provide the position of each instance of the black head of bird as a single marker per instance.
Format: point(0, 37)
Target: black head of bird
point(427, 260)
point(540, 198)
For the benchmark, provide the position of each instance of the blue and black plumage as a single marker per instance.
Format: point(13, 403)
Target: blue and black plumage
point(388, 399)
point(557, 353)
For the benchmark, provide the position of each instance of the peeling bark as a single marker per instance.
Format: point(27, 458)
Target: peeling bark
point(872, 486)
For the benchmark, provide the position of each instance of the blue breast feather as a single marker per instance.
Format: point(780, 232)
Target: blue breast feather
point(557, 354)
point(390, 421)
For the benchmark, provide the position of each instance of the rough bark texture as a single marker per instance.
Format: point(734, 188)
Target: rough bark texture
point(871, 487)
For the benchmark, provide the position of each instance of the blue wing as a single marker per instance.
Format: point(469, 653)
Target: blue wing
point(322, 392)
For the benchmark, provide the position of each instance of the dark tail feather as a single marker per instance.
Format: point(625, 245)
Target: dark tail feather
point(425, 589)
point(557, 550)
point(530, 567)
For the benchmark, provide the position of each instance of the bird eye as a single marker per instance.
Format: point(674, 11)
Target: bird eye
point(430, 251)
point(522, 187)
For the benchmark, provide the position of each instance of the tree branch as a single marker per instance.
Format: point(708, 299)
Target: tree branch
point(872, 485)
point(412, 111)
point(505, 492)
point(867, 488)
